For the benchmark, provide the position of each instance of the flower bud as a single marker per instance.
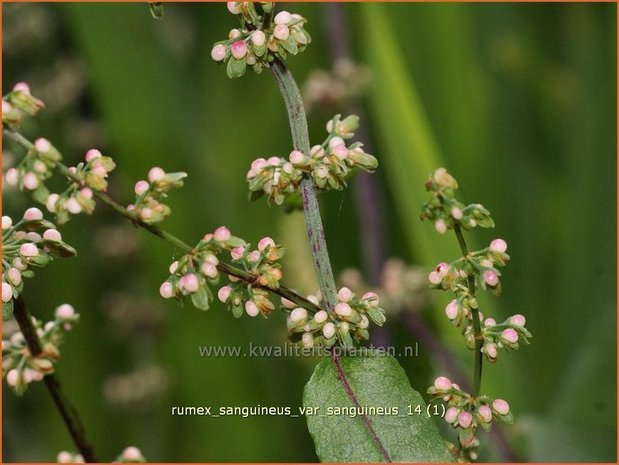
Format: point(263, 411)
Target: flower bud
point(500, 406)
point(435, 278)
point(371, 298)
point(465, 419)
point(518, 320)
point(166, 290)
point(28, 250)
point(451, 414)
point(321, 316)
point(258, 38)
point(238, 49)
point(456, 212)
point(328, 330)
point(510, 335)
point(298, 314)
point(222, 234)
point(308, 340)
point(209, 270)
point(7, 292)
point(156, 174)
point(491, 350)
point(489, 322)
point(65, 312)
point(92, 154)
point(132, 454)
point(65, 457)
point(283, 17)
point(224, 293)
point(440, 226)
point(190, 283)
point(233, 7)
point(141, 187)
point(344, 294)
point(498, 246)
point(7, 222)
point(281, 32)
point(74, 206)
point(452, 309)
point(491, 278)
point(442, 383)
point(31, 181)
point(52, 235)
point(12, 177)
point(13, 377)
point(251, 308)
point(485, 413)
point(51, 202)
point(343, 309)
point(237, 253)
point(218, 52)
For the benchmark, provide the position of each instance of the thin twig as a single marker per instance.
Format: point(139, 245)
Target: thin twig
point(63, 404)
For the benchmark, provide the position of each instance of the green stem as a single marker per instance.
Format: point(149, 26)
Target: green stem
point(63, 404)
point(300, 140)
point(476, 320)
point(170, 238)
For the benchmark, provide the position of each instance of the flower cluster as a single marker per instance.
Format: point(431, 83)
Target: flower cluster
point(86, 177)
point(347, 323)
point(262, 264)
point(148, 206)
point(261, 38)
point(130, 454)
point(445, 211)
point(327, 165)
point(507, 335)
point(17, 103)
point(32, 241)
point(19, 366)
point(465, 413)
point(36, 167)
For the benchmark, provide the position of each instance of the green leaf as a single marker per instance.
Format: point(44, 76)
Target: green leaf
point(377, 381)
point(201, 299)
point(7, 310)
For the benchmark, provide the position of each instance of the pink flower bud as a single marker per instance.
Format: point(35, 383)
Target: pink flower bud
point(146, 213)
point(224, 293)
point(222, 234)
point(28, 250)
point(317, 151)
point(498, 246)
point(344, 294)
point(442, 383)
point(237, 253)
point(190, 283)
point(435, 278)
point(141, 187)
point(321, 316)
point(31, 181)
point(335, 141)
point(42, 145)
point(92, 154)
point(343, 309)
point(254, 256)
point(371, 298)
point(7, 222)
point(86, 192)
point(328, 330)
point(132, 454)
point(73, 206)
point(287, 303)
point(238, 49)
point(12, 377)
point(258, 38)
point(258, 164)
point(451, 414)
point(65, 312)
point(6, 106)
point(340, 151)
point(322, 172)
point(485, 413)
point(281, 32)
point(251, 308)
point(233, 7)
point(442, 269)
point(308, 340)
point(12, 177)
point(452, 310)
point(440, 226)
point(99, 170)
point(209, 270)
point(510, 335)
point(212, 259)
point(156, 174)
point(52, 235)
point(456, 212)
point(21, 87)
point(500, 406)
point(518, 320)
point(491, 278)
point(14, 276)
point(465, 419)
point(7, 292)
point(166, 290)
point(296, 157)
point(491, 350)
point(298, 314)
point(33, 214)
point(265, 242)
point(489, 322)
point(218, 52)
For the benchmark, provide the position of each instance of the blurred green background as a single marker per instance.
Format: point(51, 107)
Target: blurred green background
point(518, 101)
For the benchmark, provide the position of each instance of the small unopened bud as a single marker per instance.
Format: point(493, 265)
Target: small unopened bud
point(343, 309)
point(510, 335)
point(12, 377)
point(52, 235)
point(238, 49)
point(328, 330)
point(456, 212)
point(283, 17)
point(7, 292)
point(501, 407)
point(308, 340)
point(451, 414)
point(7, 222)
point(442, 383)
point(298, 314)
point(321, 316)
point(251, 308)
point(451, 310)
point(233, 7)
point(28, 250)
point(31, 181)
point(258, 38)
point(65, 312)
point(498, 246)
point(440, 226)
point(51, 202)
point(465, 419)
point(218, 52)
point(344, 294)
point(92, 154)
point(224, 293)
point(222, 234)
point(435, 278)
point(209, 270)
point(491, 278)
point(518, 320)
point(132, 454)
point(281, 32)
point(42, 145)
point(141, 187)
point(485, 413)
point(237, 253)
point(190, 283)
